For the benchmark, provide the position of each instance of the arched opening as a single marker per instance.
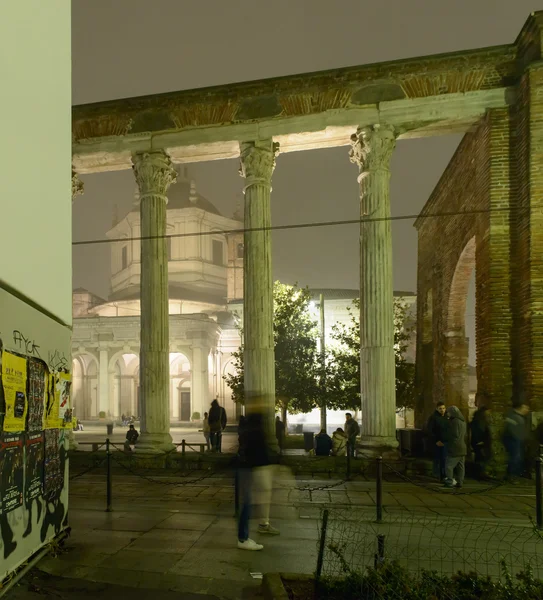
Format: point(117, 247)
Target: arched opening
point(180, 388)
point(123, 391)
point(457, 369)
point(85, 386)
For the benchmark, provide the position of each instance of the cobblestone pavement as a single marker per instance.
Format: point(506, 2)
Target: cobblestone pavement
point(168, 536)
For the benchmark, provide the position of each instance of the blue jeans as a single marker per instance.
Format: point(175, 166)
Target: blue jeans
point(440, 456)
point(245, 483)
point(515, 450)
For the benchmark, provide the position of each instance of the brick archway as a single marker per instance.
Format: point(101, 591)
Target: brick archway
point(458, 294)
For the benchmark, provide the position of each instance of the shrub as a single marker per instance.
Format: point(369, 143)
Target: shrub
point(391, 580)
point(195, 416)
point(102, 414)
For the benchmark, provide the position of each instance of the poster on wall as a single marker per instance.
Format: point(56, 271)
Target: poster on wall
point(37, 388)
point(63, 385)
point(11, 471)
point(34, 466)
point(53, 480)
point(51, 410)
point(14, 382)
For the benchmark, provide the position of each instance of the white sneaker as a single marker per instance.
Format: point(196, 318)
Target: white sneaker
point(249, 545)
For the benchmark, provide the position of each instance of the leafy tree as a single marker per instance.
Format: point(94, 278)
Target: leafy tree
point(343, 362)
point(296, 358)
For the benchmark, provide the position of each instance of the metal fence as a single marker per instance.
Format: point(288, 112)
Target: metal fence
point(421, 549)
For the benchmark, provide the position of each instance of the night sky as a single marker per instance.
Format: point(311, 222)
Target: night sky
point(124, 48)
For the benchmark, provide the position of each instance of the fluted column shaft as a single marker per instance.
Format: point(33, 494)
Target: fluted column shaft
point(372, 149)
point(154, 174)
point(257, 165)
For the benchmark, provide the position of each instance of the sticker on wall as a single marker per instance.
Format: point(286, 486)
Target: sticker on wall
point(37, 388)
point(34, 466)
point(51, 410)
point(14, 382)
point(11, 471)
point(53, 474)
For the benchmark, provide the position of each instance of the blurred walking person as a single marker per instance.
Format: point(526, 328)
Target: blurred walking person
point(514, 439)
point(455, 442)
point(436, 428)
point(481, 440)
point(251, 453)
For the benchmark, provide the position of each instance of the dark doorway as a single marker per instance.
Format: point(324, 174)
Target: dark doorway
point(184, 400)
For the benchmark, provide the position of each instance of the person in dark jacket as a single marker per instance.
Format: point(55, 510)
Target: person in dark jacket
point(481, 440)
point(352, 431)
point(131, 438)
point(436, 428)
point(515, 435)
point(323, 444)
point(217, 424)
point(455, 442)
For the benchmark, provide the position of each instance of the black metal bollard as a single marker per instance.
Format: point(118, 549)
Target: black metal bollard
point(380, 554)
point(108, 477)
point(322, 543)
point(379, 490)
point(539, 493)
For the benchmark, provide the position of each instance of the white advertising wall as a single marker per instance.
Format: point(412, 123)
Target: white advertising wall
point(35, 276)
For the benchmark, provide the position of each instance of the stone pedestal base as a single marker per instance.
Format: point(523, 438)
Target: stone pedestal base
point(386, 447)
point(154, 443)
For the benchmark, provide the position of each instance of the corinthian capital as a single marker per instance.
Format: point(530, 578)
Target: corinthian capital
point(258, 161)
point(77, 185)
point(372, 147)
point(154, 173)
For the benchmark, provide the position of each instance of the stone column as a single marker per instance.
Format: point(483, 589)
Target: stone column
point(103, 381)
point(257, 165)
point(200, 399)
point(371, 150)
point(154, 174)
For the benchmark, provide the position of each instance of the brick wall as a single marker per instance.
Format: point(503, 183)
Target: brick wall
point(478, 179)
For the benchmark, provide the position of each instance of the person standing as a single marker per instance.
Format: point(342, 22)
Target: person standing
point(323, 444)
point(436, 428)
point(514, 438)
point(217, 423)
point(206, 431)
point(280, 432)
point(352, 430)
point(481, 440)
point(455, 442)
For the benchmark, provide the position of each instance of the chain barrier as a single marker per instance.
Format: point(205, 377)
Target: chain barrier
point(322, 488)
point(92, 467)
point(448, 492)
point(153, 480)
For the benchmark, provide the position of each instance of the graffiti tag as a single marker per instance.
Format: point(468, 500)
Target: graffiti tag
point(28, 345)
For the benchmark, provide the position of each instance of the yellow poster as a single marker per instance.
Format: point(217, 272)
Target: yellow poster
point(51, 413)
point(14, 382)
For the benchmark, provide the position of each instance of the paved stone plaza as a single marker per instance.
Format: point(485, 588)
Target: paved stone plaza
point(183, 538)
